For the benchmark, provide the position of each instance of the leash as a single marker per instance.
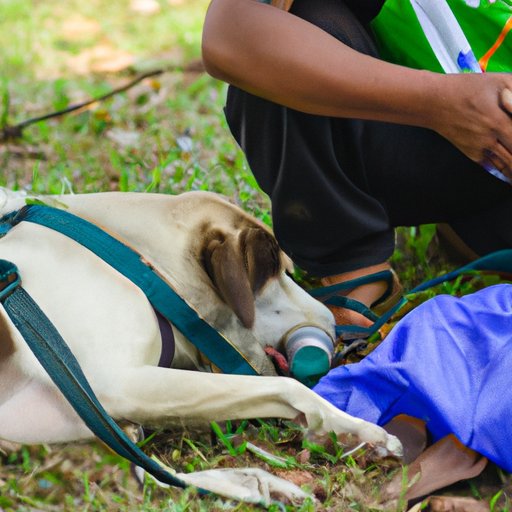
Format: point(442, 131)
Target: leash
point(499, 261)
point(216, 347)
point(61, 365)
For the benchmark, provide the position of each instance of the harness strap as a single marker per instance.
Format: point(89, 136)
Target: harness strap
point(217, 348)
point(168, 343)
point(61, 365)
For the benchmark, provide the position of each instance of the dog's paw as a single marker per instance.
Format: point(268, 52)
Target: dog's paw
point(372, 437)
point(250, 485)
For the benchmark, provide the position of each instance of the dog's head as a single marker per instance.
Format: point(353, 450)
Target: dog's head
point(223, 262)
point(243, 264)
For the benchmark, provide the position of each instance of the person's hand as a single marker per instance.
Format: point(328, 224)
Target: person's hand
point(475, 114)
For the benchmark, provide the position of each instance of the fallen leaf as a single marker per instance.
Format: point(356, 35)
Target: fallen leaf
point(185, 143)
point(79, 28)
point(146, 7)
point(102, 58)
point(124, 138)
point(296, 476)
point(304, 456)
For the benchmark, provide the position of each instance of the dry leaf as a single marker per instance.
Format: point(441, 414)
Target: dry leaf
point(124, 138)
point(102, 58)
point(296, 476)
point(146, 7)
point(79, 28)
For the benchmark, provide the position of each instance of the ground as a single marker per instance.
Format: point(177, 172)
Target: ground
point(166, 134)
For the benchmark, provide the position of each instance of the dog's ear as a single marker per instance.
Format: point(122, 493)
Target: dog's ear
point(240, 266)
point(262, 256)
point(224, 263)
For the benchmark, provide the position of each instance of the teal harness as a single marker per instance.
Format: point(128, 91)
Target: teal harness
point(63, 368)
point(218, 349)
point(54, 354)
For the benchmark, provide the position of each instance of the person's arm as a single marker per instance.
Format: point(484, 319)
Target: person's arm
point(278, 56)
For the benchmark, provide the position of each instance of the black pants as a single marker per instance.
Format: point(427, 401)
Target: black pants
point(339, 187)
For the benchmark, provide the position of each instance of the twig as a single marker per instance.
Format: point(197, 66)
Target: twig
point(15, 132)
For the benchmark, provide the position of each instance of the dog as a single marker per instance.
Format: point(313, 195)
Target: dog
point(225, 263)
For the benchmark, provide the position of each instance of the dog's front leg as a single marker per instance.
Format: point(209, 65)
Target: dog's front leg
point(158, 396)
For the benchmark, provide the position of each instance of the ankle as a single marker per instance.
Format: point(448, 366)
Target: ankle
point(367, 293)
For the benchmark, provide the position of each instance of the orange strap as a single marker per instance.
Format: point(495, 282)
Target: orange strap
point(484, 61)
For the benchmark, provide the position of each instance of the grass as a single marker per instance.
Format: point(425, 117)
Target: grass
point(165, 135)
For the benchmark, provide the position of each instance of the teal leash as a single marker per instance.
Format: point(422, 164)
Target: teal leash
point(499, 261)
point(61, 365)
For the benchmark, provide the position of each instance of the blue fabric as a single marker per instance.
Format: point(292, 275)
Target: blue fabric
point(449, 363)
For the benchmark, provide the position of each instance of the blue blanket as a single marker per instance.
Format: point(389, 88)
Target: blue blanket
point(449, 363)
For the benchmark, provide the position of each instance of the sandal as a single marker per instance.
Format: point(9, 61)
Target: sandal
point(392, 299)
point(379, 312)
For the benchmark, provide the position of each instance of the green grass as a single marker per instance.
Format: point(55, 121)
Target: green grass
point(166, 135)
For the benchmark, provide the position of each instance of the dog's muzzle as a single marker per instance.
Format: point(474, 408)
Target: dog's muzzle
point(309, 351)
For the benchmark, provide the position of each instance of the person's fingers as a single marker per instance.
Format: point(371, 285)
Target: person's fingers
point(500, 158)
point(503, 132)
point(506, 100)
point(503, 155)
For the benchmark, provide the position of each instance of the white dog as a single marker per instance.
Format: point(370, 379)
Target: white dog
point(222, 262)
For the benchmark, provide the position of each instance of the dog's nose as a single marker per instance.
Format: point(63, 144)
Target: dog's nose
point(309, 351)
